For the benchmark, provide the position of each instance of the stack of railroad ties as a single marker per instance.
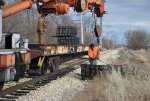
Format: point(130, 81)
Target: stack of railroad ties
point(89, 71)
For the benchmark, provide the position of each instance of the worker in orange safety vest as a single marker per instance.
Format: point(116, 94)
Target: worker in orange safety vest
point(94, 54)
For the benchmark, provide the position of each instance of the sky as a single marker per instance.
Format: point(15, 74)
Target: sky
point(124, 15)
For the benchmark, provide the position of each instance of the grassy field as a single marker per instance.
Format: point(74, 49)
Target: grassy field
point(134, 87)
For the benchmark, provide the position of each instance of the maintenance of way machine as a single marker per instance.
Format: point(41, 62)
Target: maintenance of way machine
point(16, 61)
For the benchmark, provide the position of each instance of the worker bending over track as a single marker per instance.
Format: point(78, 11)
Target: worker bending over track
point(94, 54)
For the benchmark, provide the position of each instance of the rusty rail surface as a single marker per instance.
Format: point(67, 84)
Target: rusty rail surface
point(36, 81)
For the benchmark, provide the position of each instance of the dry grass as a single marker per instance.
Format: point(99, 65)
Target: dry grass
point(92, 94)
point(135, 87)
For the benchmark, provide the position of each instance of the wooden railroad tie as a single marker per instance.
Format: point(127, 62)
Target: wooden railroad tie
point(89, 71)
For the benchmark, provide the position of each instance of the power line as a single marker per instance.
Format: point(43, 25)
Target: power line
point(85, 22)
point(54, 20)
point(72, 21)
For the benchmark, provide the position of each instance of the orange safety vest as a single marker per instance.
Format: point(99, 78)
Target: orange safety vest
point(93, 54)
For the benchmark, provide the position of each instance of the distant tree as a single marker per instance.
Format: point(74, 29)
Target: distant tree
point(137, 39)
point(108, 44)
point(25, 23)
point(88, 30)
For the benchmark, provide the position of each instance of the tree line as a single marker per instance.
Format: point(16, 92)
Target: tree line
point(137, 39)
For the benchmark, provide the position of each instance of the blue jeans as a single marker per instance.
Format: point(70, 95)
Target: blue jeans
point(93, 62)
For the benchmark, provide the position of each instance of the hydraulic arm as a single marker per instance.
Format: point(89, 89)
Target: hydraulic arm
point(57, 7)
point(15, 8)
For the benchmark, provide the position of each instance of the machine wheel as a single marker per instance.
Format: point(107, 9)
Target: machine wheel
point(80, 5)
point(50, 64)
point(53, 63)
point(1, 85)
point(23, 70)
point(44, 69)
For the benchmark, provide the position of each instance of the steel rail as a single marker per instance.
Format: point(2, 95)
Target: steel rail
point(55, 74)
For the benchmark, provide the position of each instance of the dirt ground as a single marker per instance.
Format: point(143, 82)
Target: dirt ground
point(135, 86)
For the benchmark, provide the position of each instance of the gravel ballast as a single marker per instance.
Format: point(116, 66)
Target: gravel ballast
point(64, 88)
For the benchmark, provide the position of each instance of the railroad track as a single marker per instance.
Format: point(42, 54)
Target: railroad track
point(12, 93)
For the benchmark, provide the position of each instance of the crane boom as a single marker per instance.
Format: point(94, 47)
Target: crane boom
point(54, 6)
point(15, 8)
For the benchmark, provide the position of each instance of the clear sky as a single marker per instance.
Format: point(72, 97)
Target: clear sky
point(126, 15)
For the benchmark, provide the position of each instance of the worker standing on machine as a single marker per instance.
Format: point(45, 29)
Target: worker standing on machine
point(93, 54)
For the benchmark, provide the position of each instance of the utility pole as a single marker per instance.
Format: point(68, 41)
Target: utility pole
point(116, 42)
point(112, 39)
point(101, 44)
point(107, 26)
point(107, 41)
point(0, 24)
point(81, 21)
point(2, 2)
